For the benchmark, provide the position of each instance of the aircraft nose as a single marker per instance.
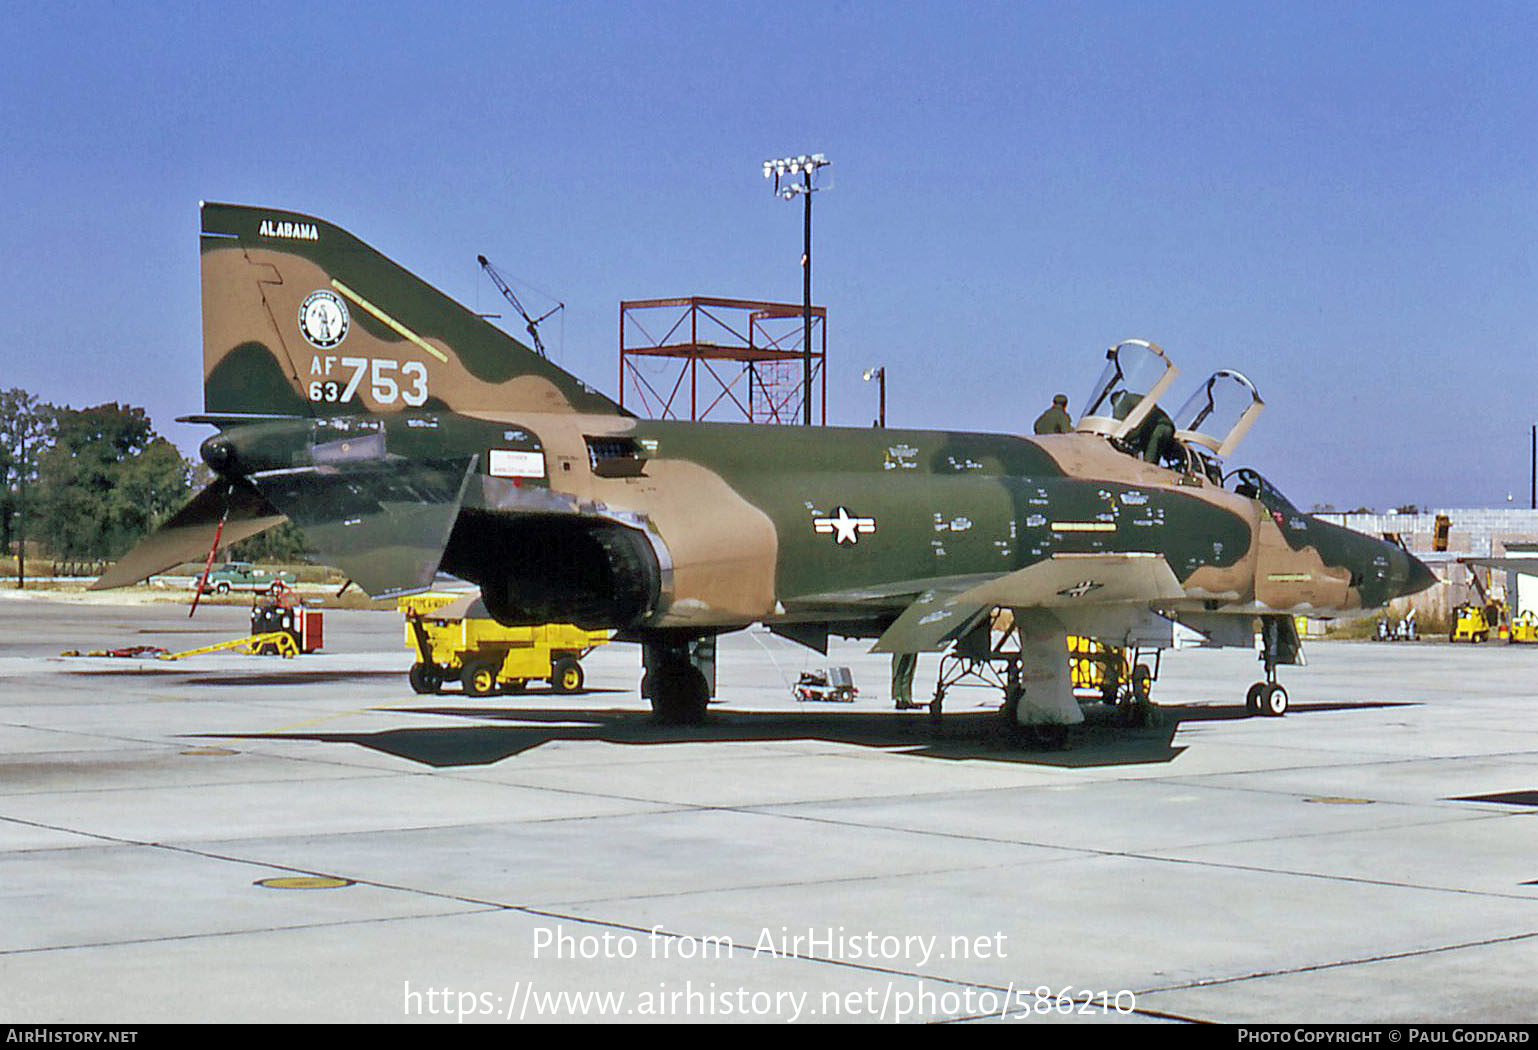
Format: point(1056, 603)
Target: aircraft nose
point(1417, 578)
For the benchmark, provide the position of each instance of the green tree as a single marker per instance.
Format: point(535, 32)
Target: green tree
point(106, 482)
point(26, 431)
point(281, 543)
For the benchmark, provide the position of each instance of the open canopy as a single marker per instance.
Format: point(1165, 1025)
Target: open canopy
point(1217, 416)
point(1136, 374)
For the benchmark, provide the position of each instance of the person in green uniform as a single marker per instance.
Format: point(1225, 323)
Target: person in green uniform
point(1055, 419)
point(903, 666)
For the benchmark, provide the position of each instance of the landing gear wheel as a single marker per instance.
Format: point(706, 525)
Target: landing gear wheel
point(1048, 737)
point(679, 695)
point(1142, 685)
point(1273, 701)
point(566, 676)
point(1110, 688)
point(480, 679)
point(1137, 709)
point(425, 679)
point(1010, 712)
point(1252, 698)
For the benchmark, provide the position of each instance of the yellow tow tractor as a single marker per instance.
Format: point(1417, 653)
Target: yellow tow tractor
point(1477, 621)
point(454, 637)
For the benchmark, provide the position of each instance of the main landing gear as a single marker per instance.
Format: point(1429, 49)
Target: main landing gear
point(675, 683)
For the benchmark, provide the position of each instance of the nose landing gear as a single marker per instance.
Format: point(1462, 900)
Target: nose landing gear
point(1279, 644)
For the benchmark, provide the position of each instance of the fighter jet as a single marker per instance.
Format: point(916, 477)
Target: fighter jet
point(405, 437)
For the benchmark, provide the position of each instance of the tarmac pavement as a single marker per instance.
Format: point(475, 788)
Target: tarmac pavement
point(1367, 858)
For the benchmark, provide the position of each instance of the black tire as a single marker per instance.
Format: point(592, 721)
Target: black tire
point(424, 679)
point(1273, 701)
point(479, 679)
point(221, 587)
point(1142, 684)
point(1010, 711)
point(1252, 698)
point(1047, 737)
point(680, 695)
point(566, 675)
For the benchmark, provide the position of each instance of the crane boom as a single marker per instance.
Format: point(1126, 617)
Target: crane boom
point(531, 324)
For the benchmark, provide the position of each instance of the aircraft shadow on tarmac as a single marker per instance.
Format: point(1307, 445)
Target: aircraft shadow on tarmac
point(1100, 741)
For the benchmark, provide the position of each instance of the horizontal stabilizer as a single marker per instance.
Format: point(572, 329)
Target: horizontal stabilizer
point(189, 535)
point(385, 523)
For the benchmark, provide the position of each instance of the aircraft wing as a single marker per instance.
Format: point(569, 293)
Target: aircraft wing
point(1061, 583)
point(189, 534)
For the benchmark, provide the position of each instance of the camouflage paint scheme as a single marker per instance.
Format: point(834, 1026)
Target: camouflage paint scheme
point(406, 436)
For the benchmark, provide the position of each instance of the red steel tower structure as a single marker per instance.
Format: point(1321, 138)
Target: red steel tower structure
point(730, 360)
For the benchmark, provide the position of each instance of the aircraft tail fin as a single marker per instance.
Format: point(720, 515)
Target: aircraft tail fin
point(300, 318)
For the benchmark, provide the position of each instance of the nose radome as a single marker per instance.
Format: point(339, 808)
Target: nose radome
point(1418, 578)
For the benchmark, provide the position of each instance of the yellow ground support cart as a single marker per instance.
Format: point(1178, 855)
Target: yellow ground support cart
point(1524, 628)
point(1477, 621)
point(1108, 670)
point(454, 637)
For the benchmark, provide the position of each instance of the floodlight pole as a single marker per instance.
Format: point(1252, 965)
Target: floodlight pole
point(807, 167)
point(879, 374)
point(806, 306)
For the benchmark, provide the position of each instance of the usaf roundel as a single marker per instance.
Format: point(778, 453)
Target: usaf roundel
point(323, 319)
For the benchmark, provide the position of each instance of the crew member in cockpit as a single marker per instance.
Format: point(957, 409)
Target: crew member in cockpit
point(1055, 419)
point(1154, 438)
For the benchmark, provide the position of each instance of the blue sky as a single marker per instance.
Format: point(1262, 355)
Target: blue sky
point(1336, 199)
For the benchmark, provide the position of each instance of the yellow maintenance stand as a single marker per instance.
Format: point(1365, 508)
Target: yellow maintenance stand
point(455, 637)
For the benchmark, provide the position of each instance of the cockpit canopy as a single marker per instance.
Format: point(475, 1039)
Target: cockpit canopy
point(1123, 406)
point(1136, 374)
point(1217, 416)
point(1250, 484)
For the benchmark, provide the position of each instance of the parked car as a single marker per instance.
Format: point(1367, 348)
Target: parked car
point(243, 576)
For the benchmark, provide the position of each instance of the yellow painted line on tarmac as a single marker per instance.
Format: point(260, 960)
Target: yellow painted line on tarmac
point(340, 714)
